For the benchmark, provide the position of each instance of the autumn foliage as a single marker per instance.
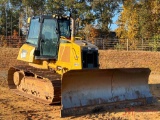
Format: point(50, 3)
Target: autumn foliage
point(139, 19)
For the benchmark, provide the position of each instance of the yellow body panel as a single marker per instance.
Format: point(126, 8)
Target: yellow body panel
point(26, 53)
point(69, 56)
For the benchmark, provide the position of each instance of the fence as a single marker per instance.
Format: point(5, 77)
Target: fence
point(102, 43)
point(11, 41)
point(144, 44)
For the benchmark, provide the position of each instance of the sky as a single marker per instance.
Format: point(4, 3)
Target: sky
point(115, 18)
point(114, 26)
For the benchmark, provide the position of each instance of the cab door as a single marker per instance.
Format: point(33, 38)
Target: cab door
point(49, 39)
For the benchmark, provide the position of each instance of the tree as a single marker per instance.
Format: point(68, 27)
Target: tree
point(3, 9)
point(104, 11)
point(37, 6)
point(3, 4)
point(155, 17)
point(129, 23)
point(139, 19)
point(94, 33)
point(55, 6)
point(9, 16)
point(84, 11)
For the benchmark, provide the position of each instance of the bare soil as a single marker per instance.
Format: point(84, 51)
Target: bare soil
point(14, 107)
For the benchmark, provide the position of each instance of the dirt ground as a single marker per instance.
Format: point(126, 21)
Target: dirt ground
point(14, 107)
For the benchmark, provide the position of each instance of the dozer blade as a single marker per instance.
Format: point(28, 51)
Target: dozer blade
point(88, 91)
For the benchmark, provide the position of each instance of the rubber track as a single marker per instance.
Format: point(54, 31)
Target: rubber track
point(52, 76)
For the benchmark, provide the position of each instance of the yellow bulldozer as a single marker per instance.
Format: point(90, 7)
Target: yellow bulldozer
point(66, 71)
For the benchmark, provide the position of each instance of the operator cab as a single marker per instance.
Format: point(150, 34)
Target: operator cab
point(45, 33)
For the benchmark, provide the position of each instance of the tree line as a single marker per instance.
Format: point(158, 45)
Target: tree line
point(137, 18)
point(13, 13)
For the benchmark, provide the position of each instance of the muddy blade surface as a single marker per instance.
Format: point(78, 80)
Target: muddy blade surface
point(93, 90)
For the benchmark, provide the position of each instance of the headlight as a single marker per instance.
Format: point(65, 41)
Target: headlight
point(23, 54)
